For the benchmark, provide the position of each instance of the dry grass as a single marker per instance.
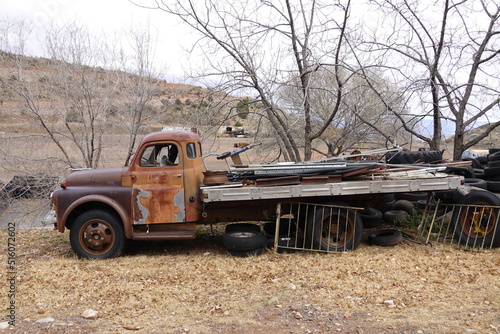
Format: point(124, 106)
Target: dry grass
point(194, 287)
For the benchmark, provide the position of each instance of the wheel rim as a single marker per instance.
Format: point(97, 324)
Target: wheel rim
point(478, 222)
point(337, 229)
point(96, 237)
point(243, 234)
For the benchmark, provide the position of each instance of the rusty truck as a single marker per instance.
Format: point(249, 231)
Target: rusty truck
point(166, 191)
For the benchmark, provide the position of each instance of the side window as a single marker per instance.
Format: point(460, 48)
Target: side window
point(191, 150)
point(160, 155)
point(148, 157)
point(200, 154)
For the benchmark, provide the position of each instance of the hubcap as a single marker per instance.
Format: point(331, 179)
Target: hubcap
point(97, 236)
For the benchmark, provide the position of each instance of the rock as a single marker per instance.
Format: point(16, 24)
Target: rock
point(273, 301)
point(292, 286)
point(4, 325)
point(298, 315)
point(89, 314)
point(44, 320)
point(389, 303)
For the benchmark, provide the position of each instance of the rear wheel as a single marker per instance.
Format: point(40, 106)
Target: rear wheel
point(335, 228)
point(97, 234)
point(476, 225)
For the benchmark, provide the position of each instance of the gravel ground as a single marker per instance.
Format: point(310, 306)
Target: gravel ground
point(195, 287)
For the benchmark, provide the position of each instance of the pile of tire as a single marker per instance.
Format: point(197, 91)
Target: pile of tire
point(486, 171)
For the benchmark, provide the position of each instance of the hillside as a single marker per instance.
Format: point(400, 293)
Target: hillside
point(58, 91)
point(491, 141)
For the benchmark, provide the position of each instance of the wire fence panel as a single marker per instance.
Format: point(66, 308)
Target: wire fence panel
point(465, 226)
point(317, 227)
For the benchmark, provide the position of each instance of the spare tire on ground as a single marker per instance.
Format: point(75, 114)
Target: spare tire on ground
point(244, 240)
point(388, 237)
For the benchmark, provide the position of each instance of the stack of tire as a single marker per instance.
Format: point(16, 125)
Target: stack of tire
point(486, 171)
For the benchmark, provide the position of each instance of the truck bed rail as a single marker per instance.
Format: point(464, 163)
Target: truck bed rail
point(225, 193)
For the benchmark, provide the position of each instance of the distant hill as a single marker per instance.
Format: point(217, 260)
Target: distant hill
point(491, 141)
point(172, 104)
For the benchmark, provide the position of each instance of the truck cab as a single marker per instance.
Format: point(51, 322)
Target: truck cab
point(156, 197)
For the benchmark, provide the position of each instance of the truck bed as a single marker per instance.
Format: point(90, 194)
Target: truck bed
point(238, 192)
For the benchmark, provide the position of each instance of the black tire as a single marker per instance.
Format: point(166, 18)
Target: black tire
point(477, 226)
point(495, 163)
point(388, 198)
point(371, 217)
point(412, 197)
point(493, 186)
point(404, 205)
point(446, 196)
point(475, 163)
point(335, 229)
point(410, 157)
point(478, 183)
point(458, 196)
point(492, 171)
point(423, 203)
point(467, 171)
point(242, 227)
point(395, 217)
point(246, 253)
point(97, 234)
point(494, 156)
point(479, 174)
point(483, 160)
point(493, 150)
point(389, 237)
point(244, 240)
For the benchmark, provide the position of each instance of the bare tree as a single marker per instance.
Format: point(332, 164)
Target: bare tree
point(360, 119)
point(445, 54)
point(140, 77)
point(85, 91)
point(257, 47)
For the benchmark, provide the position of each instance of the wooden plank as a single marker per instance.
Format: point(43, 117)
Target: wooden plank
point(278, 181)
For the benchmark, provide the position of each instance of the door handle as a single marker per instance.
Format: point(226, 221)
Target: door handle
point(177, 175)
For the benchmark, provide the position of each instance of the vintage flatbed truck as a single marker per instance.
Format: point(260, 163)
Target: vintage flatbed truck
point(162, 196)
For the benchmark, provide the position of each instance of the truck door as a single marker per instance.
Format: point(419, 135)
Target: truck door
point(158, 184)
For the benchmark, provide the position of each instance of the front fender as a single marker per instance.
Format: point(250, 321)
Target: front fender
point(106, 201)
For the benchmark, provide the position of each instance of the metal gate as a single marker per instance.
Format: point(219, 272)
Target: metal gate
point(465, 226)
point(317, 227)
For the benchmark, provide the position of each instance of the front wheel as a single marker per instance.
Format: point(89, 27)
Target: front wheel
point(97, 234)
point(335, 228)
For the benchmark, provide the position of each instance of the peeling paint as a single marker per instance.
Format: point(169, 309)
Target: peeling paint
point(141, 210)
point(179, 203)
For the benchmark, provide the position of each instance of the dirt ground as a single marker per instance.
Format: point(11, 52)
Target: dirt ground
point(195, 287)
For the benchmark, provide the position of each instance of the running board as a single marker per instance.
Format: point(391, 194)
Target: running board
point(164, 232)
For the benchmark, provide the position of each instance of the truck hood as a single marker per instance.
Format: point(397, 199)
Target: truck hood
point(96, 177)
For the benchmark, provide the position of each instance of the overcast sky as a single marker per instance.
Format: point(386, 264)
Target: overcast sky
point(106, 16)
